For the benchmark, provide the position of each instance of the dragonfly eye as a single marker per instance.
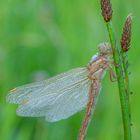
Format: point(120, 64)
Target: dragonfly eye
point(104, 48)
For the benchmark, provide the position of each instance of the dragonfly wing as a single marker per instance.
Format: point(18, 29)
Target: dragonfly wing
point(70, 104)
point(63, 105)
point(29, 91)
point(56, 98)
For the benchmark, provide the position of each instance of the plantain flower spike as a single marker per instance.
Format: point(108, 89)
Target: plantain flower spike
point(126, 34)
point(106, 10)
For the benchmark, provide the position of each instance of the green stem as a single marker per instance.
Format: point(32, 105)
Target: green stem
point(121, 84)
point(126, 75)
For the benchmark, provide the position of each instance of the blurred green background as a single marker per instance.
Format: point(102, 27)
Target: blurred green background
point(39, 39)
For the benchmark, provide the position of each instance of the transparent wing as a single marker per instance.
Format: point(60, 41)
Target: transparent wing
point(64, 103)
point(29, 91)
point(56, 98)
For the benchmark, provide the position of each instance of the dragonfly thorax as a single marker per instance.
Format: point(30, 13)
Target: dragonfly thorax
point(97, 63)
point(104, 55)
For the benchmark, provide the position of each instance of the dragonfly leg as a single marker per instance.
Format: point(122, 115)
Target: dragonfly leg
point(117, 65)
point(115, 50)
point(112, 75)
point(120, 52)
point(123, 59)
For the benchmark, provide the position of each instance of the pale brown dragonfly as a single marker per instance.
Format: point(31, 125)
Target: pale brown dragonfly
point(66, 94)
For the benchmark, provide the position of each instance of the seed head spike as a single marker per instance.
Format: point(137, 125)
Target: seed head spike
point(106, 10)
point(126, 35)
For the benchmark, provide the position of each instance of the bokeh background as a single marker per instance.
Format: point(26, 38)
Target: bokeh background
point(41, 38)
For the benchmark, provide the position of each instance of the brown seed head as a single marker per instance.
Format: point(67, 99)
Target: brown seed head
point(106, 10)
point(126, 35)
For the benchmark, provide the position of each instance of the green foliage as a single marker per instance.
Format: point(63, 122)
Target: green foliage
point(50, 37)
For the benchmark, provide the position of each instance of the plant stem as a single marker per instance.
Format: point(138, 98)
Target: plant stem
point(126, 75)
point(121, 83)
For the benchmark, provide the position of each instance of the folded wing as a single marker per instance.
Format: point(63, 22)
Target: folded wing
point(56, 98)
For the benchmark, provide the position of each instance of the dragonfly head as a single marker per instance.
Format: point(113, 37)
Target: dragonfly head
point(105, 48)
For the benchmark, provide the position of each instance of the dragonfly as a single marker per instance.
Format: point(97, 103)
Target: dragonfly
point(64, 95)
